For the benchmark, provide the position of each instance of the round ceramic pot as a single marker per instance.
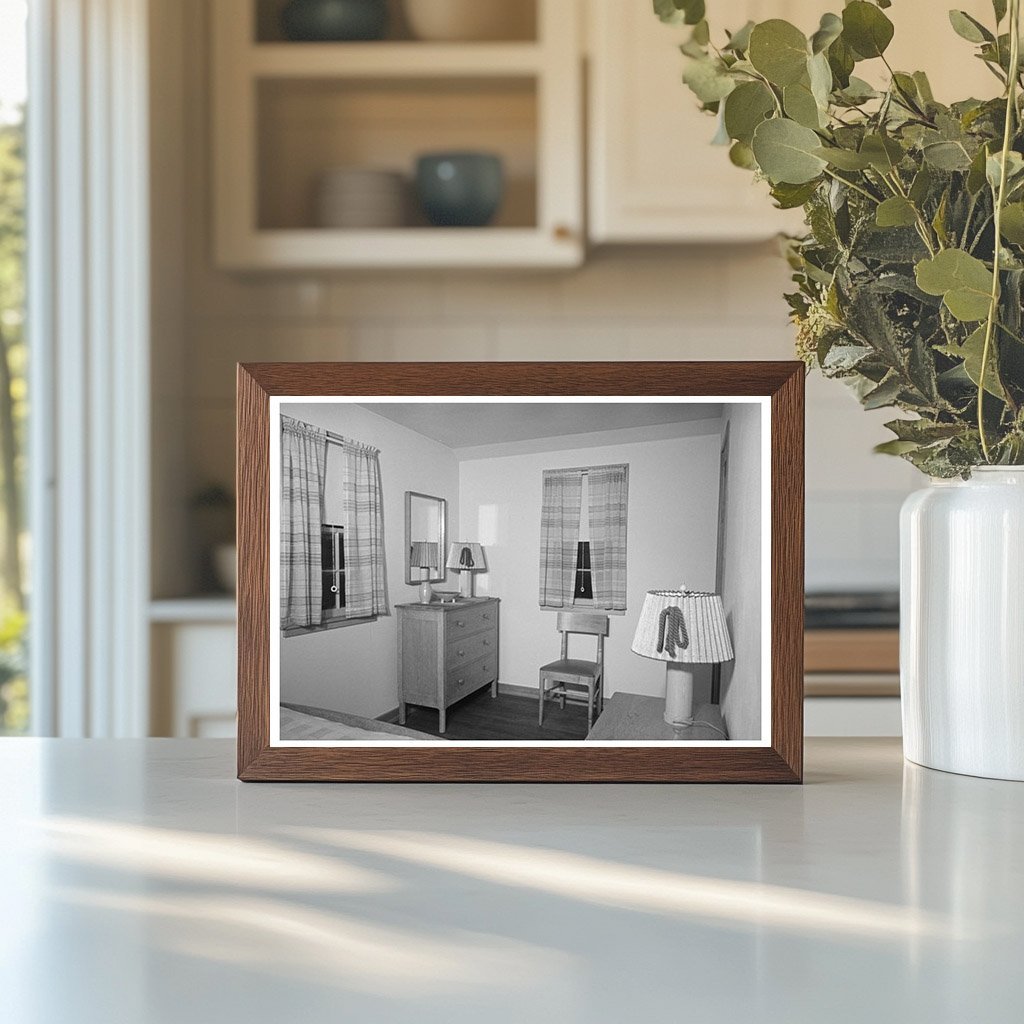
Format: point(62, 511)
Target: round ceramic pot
point(334, 20)
point(460, 189)
point(962, 624)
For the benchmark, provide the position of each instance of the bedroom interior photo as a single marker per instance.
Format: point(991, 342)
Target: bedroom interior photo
point(520, 571)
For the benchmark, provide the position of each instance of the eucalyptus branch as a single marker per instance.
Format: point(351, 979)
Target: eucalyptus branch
point(850, 184)
point(1000, 199)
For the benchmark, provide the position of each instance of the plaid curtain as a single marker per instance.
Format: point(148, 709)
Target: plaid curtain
point(366, 587)
point(559, 535)
point(303, 466)
point(608, 499)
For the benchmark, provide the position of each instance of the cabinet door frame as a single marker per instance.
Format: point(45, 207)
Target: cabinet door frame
point(618, 208)
point(553, 63)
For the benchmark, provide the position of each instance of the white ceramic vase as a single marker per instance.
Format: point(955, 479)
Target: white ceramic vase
point(962, 624)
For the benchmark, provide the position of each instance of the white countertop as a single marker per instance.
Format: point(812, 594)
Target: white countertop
point(143, 885)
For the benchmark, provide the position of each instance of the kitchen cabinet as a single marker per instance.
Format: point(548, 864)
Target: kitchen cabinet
point(653, 175)
point(287, 113)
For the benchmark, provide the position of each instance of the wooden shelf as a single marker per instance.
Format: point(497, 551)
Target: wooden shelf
point(393, 60)
point(852, 650)
point(401, 247)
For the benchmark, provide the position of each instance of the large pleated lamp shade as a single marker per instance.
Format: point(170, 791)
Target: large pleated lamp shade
point(424, 554)
point(427, 555)
point(682, 628)
point(466, 558)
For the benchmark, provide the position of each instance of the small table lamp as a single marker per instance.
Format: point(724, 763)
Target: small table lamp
point(682, 628)
point(424, 553)
point(467, 558)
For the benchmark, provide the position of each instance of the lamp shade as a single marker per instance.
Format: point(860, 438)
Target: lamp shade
point(424, 554)
point(683, 626)
point(465, 556)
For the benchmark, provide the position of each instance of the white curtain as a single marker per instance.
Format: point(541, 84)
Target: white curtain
point(303, 472)
point(366, 587)
point(608, 500)
point(559, 535)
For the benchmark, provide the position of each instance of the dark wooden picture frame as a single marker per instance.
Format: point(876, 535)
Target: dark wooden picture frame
point(781, 761)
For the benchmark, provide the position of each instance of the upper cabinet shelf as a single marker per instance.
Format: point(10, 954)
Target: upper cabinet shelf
point(295, 122)
point(394, 59)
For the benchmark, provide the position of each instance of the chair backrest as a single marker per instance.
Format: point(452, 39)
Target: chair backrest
point(583, 622)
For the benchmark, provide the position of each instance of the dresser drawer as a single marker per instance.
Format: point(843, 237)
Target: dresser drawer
point(467, 621)
point(464, 679)
point(462, 650)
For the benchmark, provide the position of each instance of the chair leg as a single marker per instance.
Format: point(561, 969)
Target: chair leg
point(590, 708)
point(540, 703)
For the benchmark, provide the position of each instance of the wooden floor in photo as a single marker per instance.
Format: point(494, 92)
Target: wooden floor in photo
point(505, 717)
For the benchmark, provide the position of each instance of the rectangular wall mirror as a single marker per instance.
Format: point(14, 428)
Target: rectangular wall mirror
point(425, 540)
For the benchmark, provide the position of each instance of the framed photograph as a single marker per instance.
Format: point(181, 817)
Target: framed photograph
point(520, 572)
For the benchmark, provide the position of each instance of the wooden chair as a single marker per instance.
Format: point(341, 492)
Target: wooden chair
point(570, 672)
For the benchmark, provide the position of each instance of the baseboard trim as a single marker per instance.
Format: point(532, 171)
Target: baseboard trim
point(391, 717)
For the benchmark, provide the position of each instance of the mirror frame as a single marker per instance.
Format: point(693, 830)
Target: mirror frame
point(409, 495)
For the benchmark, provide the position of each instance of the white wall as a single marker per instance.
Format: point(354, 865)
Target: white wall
point(673, 502)
point(741, 678)
point(354, 668)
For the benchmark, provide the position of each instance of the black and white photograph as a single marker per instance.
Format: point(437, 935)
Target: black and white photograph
point(519, 571)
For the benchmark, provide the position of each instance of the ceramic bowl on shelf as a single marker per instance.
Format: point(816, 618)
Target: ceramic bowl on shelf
point(469, 20)
point(460, 189)
point(332, 21)
point(361, 198)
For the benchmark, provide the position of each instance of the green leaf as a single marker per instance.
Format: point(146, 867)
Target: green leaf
point(969, 28)
point(745, 108)
point(820, 76)
point(676, 12)
point(708, 80)
point(1012, 226)
point(844, 159)
point(963, 281)
point(789, 197)
point(778, 50)
point(829, 30)
point(739, 41)
point(999, 7)
point(866, 29)
point(841, 60)
point(971, 352)
point(947, 156)
point(994, 169)
point(883, 153)
point(921, 185)
point(800, 105)
point(924, 87)
point(741, 155)
point(896, 212)
point(785, 152)
point(976, 174)
point(895, 447)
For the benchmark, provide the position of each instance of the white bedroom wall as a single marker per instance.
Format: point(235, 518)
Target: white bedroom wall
point(354, 668)
point(741, 678)
point(673, 502)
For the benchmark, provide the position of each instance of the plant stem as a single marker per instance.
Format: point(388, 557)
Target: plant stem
point(993, 309)
point(849, 184)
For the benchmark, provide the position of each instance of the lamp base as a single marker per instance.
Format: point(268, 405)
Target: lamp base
point(466, 584)
point(426, 592)
point(678, 696)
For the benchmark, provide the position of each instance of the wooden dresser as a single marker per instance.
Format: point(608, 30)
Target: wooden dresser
point(445, 652)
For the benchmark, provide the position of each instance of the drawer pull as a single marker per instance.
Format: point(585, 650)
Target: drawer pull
point(459, 682)
point(461, 654)
point(459, 622)
point(487, 643)
point(487, 617)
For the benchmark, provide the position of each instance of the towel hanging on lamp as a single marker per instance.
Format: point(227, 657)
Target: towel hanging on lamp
point(682, 628)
